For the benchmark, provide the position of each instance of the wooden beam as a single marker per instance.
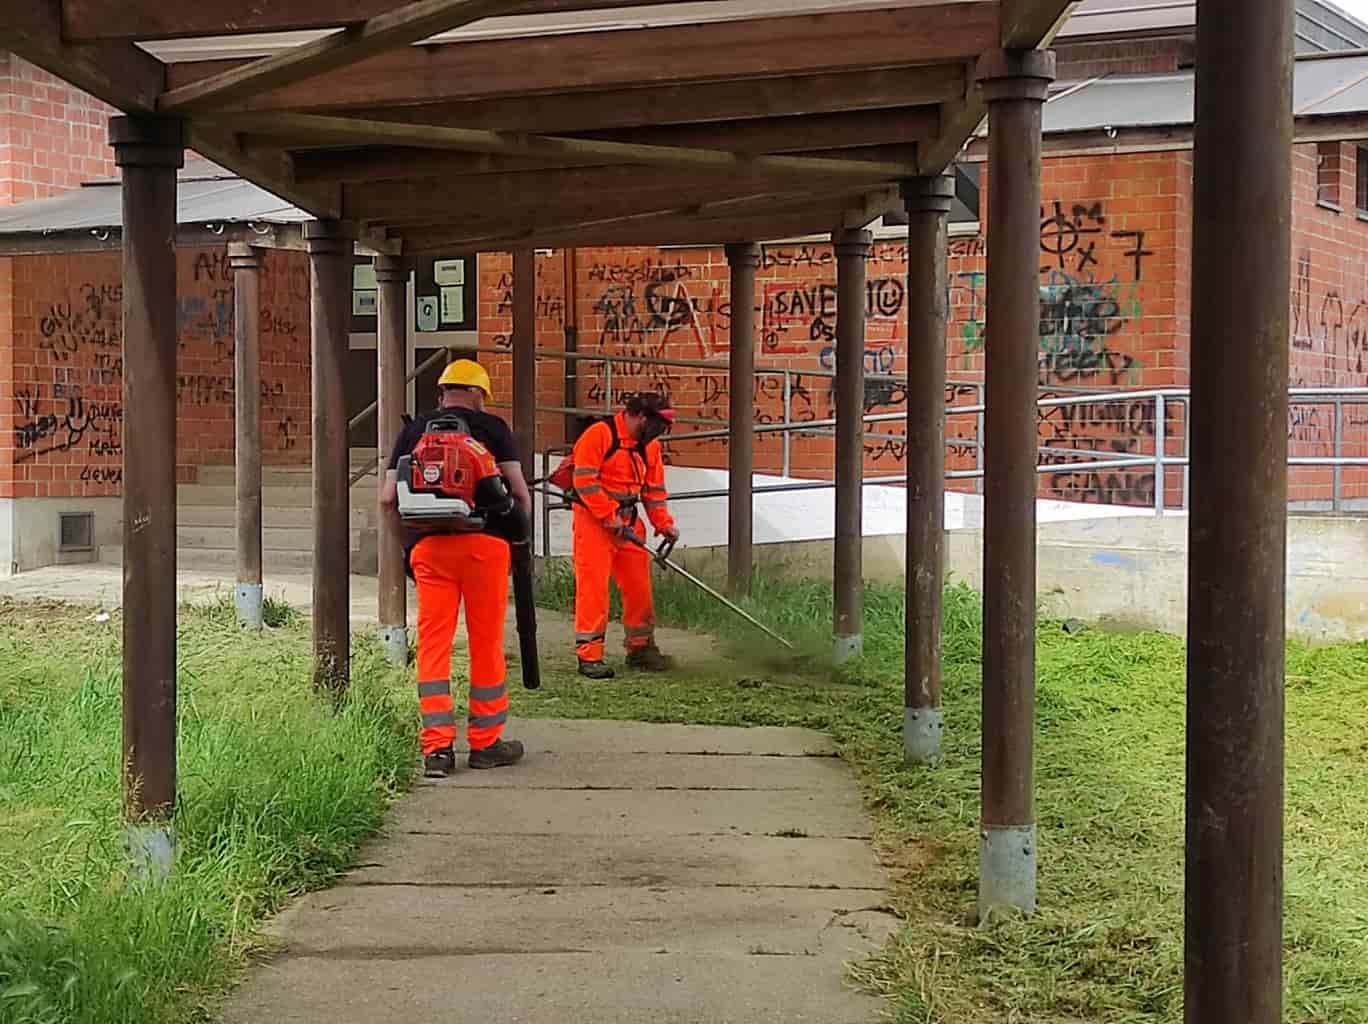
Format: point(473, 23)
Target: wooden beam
point(400, 163)
point(787, 96)
point(690, 231)
point(118, 73)
point(755, 48)
point(425, 204)
point(791, 134)
point(958, 122)
point(758, 205)
point(392, 30)
point(311, 128)
point(156, 19)
point(1027, 24)
point(322, 200)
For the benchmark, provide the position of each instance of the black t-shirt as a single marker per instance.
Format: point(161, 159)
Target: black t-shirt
point(488, 429)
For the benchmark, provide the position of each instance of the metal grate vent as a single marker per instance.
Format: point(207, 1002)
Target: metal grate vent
point(77, 531)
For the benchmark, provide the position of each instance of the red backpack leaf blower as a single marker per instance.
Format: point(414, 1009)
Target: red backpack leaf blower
point(450, 483)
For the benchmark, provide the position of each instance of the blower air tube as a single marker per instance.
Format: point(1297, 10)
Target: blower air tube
point(524, 601)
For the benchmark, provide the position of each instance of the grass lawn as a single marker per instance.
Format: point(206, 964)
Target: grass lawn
point(278, 788)
point(1106, 945)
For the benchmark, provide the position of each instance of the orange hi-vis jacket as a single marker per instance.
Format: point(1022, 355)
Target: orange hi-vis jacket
point(612, 486)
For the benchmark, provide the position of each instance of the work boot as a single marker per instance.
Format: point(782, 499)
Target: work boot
point(439, 764)
point(649, 659)
point(595, 670)
point(498, 755)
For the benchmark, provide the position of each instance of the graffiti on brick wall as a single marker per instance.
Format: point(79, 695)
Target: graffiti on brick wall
point(1330, 324)
point(1104, 429)
point(1089, 292)
point(44, 426)
point(797, 319)
point(645, 312)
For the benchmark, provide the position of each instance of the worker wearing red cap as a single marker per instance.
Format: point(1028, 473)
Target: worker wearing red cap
point(451, 569)
point(618, 465)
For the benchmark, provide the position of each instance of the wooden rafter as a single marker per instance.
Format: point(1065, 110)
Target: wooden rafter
point(795, 134)
point(1028, 23)
point(306, 128)
point(270, 171)
point(759, 48)
point(388, 31)
point(88, 20)
point(118, 73)
point(603, 110)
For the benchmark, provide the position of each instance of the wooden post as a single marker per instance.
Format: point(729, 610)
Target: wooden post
point(852, 250)
point(391, 275)
point(246, 263)
point(1237, 546)
point(148, 152)
point(1014, 84)
point(744, 258)
point(330, 273)
point(928, 202)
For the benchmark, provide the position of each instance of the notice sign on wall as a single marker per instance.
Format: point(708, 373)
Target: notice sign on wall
point(445, 293)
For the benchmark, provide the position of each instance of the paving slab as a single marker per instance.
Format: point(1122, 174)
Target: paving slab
point(551, 919)
point(600, 770)
point(623, 873)
point(590, 860)
point(459, 810)
point(556, 988)
point(589, 736)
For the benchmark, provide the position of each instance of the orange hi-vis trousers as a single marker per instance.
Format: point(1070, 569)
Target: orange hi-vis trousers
point(599, 554)
point(450, 569)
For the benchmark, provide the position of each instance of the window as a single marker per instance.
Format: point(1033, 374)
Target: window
point(1361, 179)
point(76, 531)
point(1328, 174)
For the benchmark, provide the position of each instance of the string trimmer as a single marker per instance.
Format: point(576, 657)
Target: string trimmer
point(662, 557)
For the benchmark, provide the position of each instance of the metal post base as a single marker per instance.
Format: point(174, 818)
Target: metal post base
point(922, 735)
point(151, 850)
point(1007, 870)
point(249, 598)
point(846, 648)
point(395, 641)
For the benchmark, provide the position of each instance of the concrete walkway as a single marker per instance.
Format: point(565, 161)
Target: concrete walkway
point(623, 874)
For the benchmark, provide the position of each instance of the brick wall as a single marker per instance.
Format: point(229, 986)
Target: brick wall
point(62, 378)
point(53, 137)
point(1329, 322)
point(1112, 316)
point(1079, 61)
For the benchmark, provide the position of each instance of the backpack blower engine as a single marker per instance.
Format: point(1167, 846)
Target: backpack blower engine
point(450, 483)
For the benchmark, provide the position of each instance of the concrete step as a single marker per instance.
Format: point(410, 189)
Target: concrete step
point(223, 561)
point(279, 496)
point(271, 516)
point(220, 560)
point(273, 538)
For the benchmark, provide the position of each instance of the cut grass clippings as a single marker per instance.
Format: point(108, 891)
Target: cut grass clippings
point(277, 788)
point(1106, 945)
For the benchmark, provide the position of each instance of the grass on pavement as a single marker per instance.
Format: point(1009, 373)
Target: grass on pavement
point(1106, 944)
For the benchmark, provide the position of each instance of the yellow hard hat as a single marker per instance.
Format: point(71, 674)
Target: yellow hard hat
point(466, 373)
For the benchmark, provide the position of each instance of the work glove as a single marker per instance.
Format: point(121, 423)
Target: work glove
point(670, 533)
point(617, 526)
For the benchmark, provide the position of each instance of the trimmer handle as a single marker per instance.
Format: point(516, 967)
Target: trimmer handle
point(665, 549)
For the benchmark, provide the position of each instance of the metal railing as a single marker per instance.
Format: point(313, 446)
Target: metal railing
point(1157, 437)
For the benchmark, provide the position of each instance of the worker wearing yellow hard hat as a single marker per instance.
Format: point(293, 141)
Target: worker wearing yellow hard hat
point(455, 569)
point(466, 373)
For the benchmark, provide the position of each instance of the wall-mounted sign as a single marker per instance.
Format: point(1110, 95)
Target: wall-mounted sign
point(426, 312)
point(365, 303)
point(448, 272)
point(453, 304)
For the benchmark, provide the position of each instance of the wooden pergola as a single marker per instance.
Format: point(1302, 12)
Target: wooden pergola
point(471, 125)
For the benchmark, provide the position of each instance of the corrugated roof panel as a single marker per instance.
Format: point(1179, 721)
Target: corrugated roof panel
point(197, 202)
point(1122, 101)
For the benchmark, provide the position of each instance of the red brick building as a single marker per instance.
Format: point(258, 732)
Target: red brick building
point(1115, 298)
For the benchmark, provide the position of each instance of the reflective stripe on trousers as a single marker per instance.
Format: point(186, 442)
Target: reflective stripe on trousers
point(451, 570)
point(598, 555)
